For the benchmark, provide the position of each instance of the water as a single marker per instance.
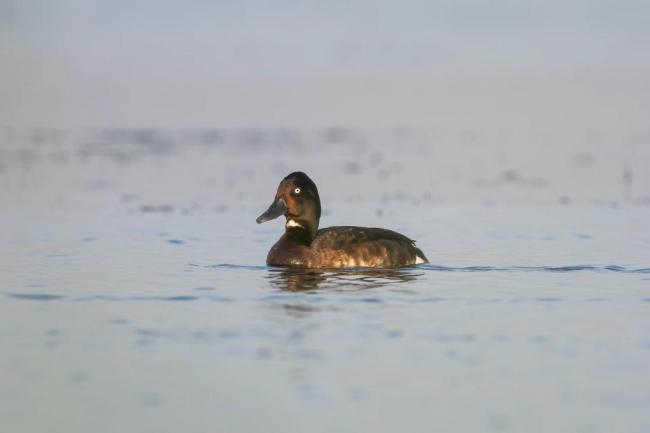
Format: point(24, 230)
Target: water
point(134, 295)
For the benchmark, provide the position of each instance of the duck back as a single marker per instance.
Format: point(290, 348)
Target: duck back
point(349, 246)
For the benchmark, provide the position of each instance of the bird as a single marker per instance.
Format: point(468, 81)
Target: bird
point(304, 245)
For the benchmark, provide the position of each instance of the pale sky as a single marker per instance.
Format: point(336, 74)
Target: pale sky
point(294, 62)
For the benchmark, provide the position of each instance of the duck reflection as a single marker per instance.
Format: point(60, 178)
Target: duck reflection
point(299, 280)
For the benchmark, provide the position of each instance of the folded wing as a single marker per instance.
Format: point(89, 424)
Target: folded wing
point(349, 246)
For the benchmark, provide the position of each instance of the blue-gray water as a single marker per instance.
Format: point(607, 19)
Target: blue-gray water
point(134, 295)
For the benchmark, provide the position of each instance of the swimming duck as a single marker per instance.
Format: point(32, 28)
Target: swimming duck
point(304, 245)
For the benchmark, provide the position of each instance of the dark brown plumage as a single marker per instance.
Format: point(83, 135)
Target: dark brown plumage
point(303, 245)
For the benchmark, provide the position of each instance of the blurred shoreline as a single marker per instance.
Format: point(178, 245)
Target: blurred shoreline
point(384, 166)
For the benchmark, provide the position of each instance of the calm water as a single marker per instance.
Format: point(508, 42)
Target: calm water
point(134, 295)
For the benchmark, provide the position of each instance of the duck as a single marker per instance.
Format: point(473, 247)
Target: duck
point(304, 245)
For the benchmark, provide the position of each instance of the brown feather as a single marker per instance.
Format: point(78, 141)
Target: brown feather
point(303, 245)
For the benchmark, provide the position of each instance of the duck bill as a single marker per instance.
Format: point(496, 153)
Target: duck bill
point(277, 208)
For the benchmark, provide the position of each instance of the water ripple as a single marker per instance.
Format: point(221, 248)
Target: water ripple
point(570, 268)
point(35, 296)
point(443, 268)
point(112, 298)
point(233, 266)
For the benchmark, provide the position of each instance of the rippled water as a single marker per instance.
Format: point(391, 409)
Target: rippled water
point(134, 295)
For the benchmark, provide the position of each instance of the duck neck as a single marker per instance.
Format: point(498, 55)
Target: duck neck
point(301, 230)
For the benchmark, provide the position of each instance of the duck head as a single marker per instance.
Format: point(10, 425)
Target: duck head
point(297, 199)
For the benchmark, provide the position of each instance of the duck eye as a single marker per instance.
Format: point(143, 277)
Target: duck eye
point(296, 191)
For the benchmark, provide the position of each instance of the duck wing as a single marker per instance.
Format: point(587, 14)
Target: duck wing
point(349, 246)
point(342, 236)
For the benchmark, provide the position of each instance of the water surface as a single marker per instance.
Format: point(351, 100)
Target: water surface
point(134, 295)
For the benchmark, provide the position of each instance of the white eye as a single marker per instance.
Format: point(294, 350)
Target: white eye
point(296, 191)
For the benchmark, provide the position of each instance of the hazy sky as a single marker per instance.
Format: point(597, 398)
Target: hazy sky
point(231, 62)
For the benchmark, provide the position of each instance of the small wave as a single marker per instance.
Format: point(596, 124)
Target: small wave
point(113, 298)
point(35, 296)
point(443, 268)
point(177, 298)
point(559, 269)
point(232, 266)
